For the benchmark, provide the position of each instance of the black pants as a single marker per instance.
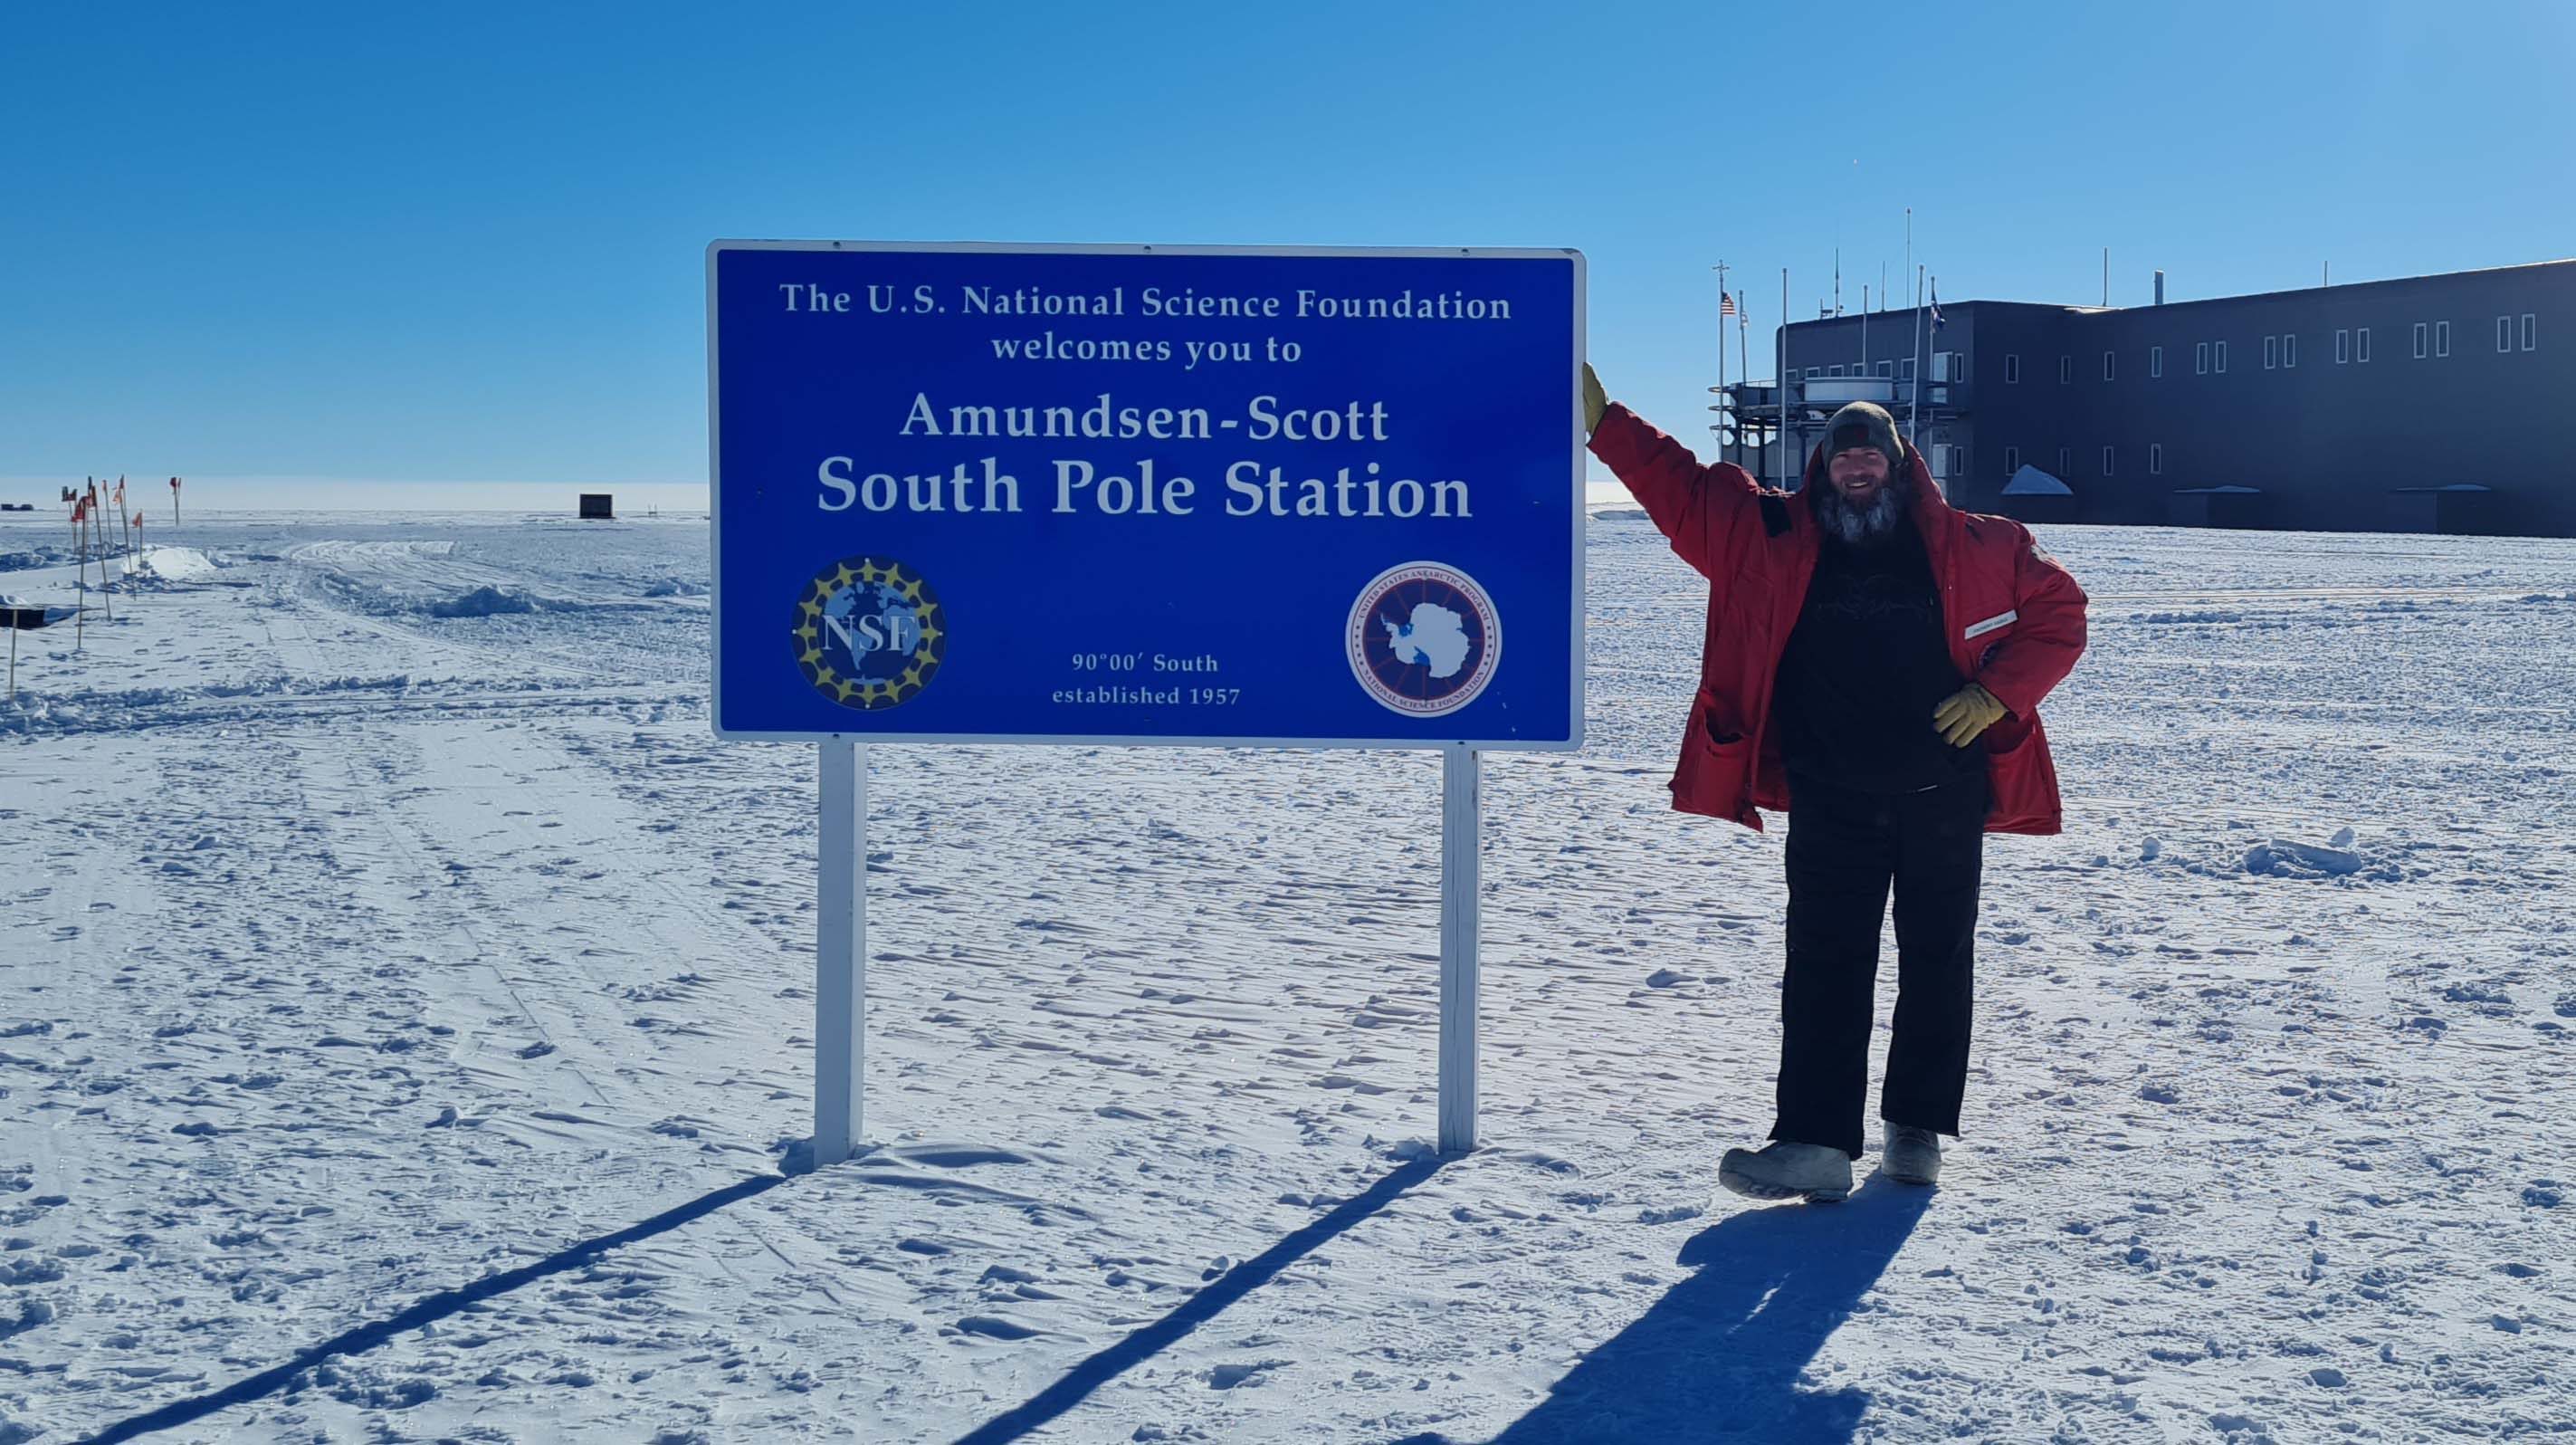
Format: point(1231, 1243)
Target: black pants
point(1845, 848)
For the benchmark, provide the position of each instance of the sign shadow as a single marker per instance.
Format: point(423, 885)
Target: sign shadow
point(1719, 1356)
point(435, 1307)
point(1143, 1344)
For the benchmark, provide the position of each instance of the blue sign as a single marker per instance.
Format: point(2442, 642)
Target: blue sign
point(1047, 494)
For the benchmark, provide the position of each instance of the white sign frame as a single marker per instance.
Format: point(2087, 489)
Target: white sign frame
point(840, 955)
point(1574, 501)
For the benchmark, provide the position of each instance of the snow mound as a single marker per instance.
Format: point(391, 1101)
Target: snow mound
point(171, 564)
point(2032, 482)
point(485, 601)
point(433, 577)
point(131, 709)
point(2286, 858)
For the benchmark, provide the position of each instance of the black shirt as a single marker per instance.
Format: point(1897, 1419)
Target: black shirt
point(1864, 668)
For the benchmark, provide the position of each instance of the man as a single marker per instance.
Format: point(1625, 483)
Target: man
point(1873, 665)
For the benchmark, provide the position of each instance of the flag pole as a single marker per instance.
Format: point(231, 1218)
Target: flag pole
point(1909, 243)
point(1914, 393)
point(80, 562)
point(1722, 397)
point(98, 526)
point(1784, 379)
point(1724, 400)
point(1915, 380)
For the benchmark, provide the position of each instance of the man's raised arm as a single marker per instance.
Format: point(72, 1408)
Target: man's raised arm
point(1693, 505)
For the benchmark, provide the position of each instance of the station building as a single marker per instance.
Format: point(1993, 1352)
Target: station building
point(2426, 404)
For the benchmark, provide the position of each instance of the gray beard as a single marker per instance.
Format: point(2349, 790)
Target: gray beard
point(1859, 525)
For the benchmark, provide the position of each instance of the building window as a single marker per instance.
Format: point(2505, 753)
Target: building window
point(2064, 463)
point(2155, 361)
point(2289, 348)
point(2441, 338)
point(2219, 354)
point(2012, 461)
point(2271, 353)
point(2106, 461)
point(2343, 347)
point(2065, 370)
point(1908, 368)
point(2504, 333)
point(2530, 331)
point(1833, 371)
point(2423, 340)
point(2361, 343)
point(1811, 373)
point(2012, 368)
point(1958, 366)
point(1887, 368)
point(1940, 460)
point(2108, 373)
point(2156, 459)
point(2200, 359)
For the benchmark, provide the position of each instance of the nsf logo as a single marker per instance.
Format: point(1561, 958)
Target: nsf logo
point(1424, 639)
point(869, 633)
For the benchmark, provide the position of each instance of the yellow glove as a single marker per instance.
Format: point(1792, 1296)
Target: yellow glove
point(1595, 400)
point(1965, 713)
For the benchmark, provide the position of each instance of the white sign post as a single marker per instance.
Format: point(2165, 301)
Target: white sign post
point(1461, 824)
point(840, 947)
point(1329, 484)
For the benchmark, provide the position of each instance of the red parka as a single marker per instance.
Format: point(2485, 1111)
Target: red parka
point(2013, 617)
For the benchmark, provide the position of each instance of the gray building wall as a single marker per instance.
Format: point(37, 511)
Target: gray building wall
point(2327, 442)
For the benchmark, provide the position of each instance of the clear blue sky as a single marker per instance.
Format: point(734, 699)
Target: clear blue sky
point(465, 242)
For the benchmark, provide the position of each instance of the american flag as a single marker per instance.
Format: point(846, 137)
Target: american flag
point(1725, 304)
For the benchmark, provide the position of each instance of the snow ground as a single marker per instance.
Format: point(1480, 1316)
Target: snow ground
point(381, 919)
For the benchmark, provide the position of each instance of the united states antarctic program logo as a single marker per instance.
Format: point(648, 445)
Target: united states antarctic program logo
point(1424, 639)
point(869, 633)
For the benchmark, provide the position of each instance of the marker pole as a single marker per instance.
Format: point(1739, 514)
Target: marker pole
point(1460, 817)
point(840, 948)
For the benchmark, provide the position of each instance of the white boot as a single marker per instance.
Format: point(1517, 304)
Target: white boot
point(1786, 1170)
point(1912, 1156)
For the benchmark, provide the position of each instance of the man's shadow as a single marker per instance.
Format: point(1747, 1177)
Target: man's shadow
point(1718, 1357)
